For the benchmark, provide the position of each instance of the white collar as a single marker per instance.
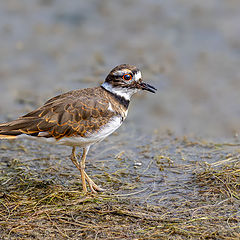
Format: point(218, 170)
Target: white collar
point(122, 92)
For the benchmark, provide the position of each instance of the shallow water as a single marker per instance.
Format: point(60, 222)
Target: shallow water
point(189, 51)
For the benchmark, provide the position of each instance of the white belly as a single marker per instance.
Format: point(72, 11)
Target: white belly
point(105, 131)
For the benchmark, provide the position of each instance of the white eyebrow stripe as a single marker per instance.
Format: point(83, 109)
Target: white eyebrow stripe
point(137, 76)
point(122, 72)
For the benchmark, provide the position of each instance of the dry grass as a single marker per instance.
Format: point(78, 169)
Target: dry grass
point(34, 206)
point(221, 179)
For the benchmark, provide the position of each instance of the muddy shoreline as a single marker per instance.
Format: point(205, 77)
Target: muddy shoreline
point(41, 198)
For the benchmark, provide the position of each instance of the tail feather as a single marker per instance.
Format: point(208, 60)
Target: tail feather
point(11, 130)
point(10, 133)
point(21, 123)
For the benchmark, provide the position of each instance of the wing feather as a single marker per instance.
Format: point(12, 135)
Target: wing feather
point(76, 113)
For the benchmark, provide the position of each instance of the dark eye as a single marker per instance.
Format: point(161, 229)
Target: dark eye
point(127, 77)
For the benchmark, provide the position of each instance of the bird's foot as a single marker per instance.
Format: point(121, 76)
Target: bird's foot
point(93, 186)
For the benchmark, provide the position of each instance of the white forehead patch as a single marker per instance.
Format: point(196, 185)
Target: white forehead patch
point(137, 76)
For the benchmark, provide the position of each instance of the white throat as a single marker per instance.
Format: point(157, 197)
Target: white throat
point(122, 92)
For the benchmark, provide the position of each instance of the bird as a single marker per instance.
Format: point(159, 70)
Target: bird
point(83, 117)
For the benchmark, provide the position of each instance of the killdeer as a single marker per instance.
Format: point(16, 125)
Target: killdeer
point(80, 118)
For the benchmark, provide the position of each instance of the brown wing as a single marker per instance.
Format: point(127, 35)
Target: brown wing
point(75, 113)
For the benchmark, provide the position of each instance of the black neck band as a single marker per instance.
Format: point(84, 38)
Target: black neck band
point(120, 99)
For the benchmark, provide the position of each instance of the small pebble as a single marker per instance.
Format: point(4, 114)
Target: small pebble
point(137, 164)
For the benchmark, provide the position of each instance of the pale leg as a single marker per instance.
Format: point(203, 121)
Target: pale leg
point(93, 186)
point(76, 163)
point(81, 167)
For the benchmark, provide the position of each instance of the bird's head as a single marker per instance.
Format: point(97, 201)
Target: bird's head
point(125, 80)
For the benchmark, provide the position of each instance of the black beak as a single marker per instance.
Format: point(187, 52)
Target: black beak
point(147, 87)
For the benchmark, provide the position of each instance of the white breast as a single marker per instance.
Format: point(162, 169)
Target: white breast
point(109, 128)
